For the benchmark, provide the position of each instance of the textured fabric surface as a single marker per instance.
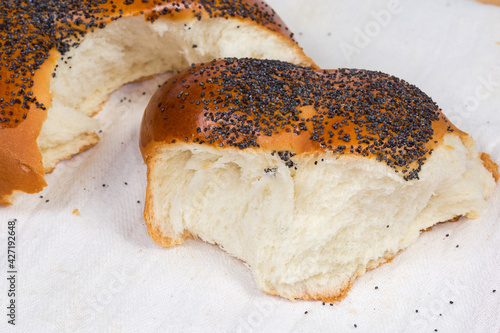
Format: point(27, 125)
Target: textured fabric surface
point(86, 263)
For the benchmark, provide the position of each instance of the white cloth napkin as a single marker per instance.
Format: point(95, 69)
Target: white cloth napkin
point(86, 263)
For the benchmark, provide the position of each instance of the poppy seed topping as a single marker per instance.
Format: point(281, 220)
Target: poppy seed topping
point(30, 31)
point(243, 103)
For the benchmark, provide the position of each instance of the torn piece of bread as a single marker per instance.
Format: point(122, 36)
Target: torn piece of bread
point(61, 59)
point(310, 177)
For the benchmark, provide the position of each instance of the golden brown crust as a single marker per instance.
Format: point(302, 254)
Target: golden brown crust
point(20, 159)
point(26, 71)
point(490, 165)
point(277, 106)
point(155, 233)
point(490, 2)
point(323, 296)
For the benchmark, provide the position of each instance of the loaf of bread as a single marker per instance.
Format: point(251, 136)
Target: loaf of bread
point(61, 59)
point(311, 177)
